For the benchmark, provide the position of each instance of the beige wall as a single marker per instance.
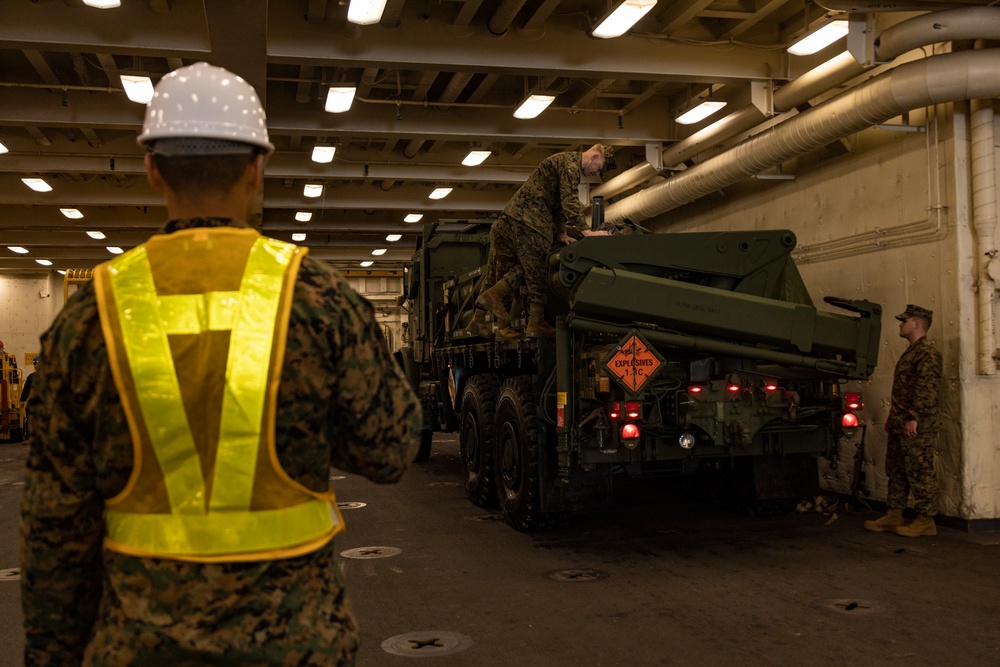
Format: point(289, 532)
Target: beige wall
point(28, 304)
point(885, 216)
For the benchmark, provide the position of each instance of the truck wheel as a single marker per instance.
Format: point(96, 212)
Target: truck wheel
point(477, 439)
point(424, 453)
point(517, 455)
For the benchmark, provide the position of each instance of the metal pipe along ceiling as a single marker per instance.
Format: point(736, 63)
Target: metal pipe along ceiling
point(945, 78)
point(954, 24)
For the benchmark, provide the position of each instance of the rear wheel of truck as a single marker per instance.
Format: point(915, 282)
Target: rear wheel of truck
point(477, 438)
point(517, 455)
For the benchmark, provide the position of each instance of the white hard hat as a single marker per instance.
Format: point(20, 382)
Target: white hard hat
point(209, 105)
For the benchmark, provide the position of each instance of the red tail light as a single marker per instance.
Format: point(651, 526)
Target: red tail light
point(853, 401)
point(616, 411)
point(632, 409)
point(849, 420)
point(733, 388)
point(770, 384)
point(630, 432)
point(695, 389)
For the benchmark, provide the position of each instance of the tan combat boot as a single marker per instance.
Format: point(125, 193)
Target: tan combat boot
point(506, 332)
point(479, 326)
point(922, 525)
point(537, 326)
point(891, 520)
point(493, 300)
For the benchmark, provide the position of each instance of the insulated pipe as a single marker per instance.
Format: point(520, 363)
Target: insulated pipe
point(984, 222)
point(955, 24)
point(504, 16)
point(945, 78)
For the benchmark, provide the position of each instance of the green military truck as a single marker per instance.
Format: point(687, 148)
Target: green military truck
point(675, 354)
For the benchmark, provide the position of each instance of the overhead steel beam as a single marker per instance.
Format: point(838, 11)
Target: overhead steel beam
point(438, 45)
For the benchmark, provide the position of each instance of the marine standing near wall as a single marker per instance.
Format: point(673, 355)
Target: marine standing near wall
point(912, 426)
point(545, 209)
point(177, 508)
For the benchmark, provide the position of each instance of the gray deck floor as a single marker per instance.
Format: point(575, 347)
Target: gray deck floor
point(654, 580)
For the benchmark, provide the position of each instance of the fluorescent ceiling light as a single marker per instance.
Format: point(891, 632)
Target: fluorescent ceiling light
point(413, 217)
point(339, 98)
point(313, 189)
point(323, 154)
point(71, 213)
point(440, 193)
point(37, 184)
point(3, 149)
point(367, 263)
point(820, 39)
point(115, 250)
point(700, 112)
point(392, 238)
point(533, 105)
point(138, 88)
point(44, 262)
point(103, 4)
point(476, 158)
point(61, 272)
point(622, 18)
point(96, 235)
point(299, 236)
point(378, 251)
point(303, 216)
point(365, 12)
point(18, 249)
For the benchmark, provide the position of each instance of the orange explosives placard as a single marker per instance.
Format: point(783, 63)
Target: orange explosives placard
point(633, 363)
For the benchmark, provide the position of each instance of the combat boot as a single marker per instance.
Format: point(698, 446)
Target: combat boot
point(494, 298)
point(922, 525)
point(537, 326)
point(479, 326)
point(506, 332)
point(891, 520)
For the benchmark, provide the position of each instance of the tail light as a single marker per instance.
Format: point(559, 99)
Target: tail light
point(695, 389)
point(853, 402)
point(733, 388)
point(630, 435)
point(770, 384)
point(616, 411)
point(629, 409)
point(849, 420)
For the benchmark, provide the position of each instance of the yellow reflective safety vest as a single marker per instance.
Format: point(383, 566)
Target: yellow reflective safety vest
point(195, 324)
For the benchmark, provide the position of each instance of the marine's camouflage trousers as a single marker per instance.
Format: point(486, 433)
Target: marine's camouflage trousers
point(520, 255)
point(909, 464)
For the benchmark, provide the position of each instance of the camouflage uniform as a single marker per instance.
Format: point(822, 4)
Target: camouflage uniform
point(909, 462)
point(546, 206)
point(341, 402)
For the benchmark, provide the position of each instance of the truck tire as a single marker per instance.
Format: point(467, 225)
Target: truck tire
point(424, 452)
point(517, 455)
point(477, 438)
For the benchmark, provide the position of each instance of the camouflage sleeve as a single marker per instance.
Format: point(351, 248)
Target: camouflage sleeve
point(377, 420)
point(61, 514)
point(927, 373)
point(569, 193)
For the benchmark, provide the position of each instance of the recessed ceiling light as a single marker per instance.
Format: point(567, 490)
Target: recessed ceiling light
point(365, 12)
point(303, 216)
point(115, 250)
point(37, 184)
point(44, 262)
point(339, 98)
point(413, 217)
point(71, 213)
point(533, 105)
point(18, 249)
point(61, 272)
point(312, 189)
point(378, 251)
point(323, 154)
point(298, 236)
point(475, 158)
point(392, 238)
point(367, 263)
point(440, 193)
point(139, 89)
point(3, 149)
point(96, 235)
point(103, 4)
